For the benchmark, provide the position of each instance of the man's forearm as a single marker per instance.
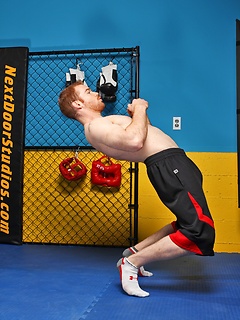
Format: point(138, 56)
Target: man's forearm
point(138, 128)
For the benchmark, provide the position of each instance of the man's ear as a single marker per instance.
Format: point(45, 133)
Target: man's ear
point(77, 104)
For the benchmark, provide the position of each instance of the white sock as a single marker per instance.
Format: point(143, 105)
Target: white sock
point(129, 278)
point(127, 252)
point(142, 272)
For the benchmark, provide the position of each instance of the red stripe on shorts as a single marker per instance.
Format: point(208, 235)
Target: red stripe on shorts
point(200, 214)
point(183, 242)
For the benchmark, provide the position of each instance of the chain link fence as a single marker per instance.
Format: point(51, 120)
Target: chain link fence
point(56, 210)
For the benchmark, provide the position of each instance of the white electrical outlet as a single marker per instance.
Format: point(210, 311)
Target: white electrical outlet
point(177, 123)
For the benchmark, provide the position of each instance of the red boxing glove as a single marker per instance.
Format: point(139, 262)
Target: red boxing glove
point(72, 171)
point(106, 175)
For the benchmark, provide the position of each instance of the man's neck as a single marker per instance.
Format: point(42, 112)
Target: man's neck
point(88, 117)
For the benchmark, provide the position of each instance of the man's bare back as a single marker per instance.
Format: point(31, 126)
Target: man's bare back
point(103, 140)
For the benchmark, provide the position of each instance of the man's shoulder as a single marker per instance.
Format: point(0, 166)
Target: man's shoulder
point(102, 119)
point(107, 122)
point(97, 125)
point(108, 119)
point(99, 120)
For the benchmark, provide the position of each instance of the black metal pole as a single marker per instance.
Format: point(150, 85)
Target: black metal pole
point(136, 180)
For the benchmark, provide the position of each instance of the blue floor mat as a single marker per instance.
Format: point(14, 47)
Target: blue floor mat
point(47, 282)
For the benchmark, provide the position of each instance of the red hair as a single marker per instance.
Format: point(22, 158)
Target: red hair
point(67, 97)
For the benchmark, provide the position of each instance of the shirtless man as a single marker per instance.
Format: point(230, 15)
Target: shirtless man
point(176, 179)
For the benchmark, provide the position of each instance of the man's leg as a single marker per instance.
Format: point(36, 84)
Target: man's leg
point(165, 231)
point(164, 249)
point(145, 243)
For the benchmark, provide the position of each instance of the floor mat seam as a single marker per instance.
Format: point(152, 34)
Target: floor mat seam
point(95, 301)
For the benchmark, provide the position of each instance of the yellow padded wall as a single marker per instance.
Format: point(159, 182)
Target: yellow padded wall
point(59, 211)
point(220, 186)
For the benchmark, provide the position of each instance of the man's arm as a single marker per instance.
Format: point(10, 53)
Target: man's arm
point(131, 113)
point(138, 128)
point(121, 136)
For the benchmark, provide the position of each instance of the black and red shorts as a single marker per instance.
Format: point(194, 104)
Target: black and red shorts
point(178, 182)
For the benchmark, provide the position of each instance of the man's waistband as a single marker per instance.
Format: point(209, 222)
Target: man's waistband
point(163, 154)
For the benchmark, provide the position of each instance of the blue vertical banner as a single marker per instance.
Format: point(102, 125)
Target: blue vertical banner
point(13, 87)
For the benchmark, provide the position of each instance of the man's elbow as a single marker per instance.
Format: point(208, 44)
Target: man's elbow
point(136, 144)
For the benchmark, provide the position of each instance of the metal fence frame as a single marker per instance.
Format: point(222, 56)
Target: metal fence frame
point(134, 54)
